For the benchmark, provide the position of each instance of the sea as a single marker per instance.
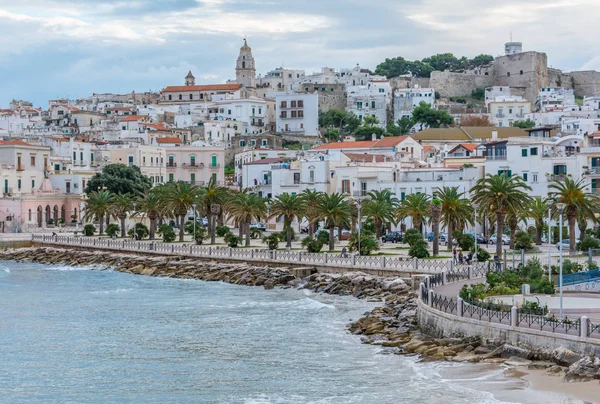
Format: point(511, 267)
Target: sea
point(83, 335)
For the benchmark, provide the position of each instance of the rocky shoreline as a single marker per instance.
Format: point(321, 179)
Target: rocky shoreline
point(393, 325)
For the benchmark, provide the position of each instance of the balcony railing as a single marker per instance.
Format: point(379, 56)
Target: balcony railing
point(500, 115)
point(214, 165)
point(590, 150)
point(497, 157)
point(192, 166)
point(171, 165)
point(20, 167)
point(592, 171)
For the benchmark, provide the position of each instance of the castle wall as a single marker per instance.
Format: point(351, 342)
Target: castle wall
point(450, 84)
point(556, 78)
point(527, 71)
point(585, 83)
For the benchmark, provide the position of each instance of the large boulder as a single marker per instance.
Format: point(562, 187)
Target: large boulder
point(564, 357)
point(582, 370)
point(509, 351)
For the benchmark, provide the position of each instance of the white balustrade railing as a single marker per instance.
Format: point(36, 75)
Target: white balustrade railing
point(250, 254)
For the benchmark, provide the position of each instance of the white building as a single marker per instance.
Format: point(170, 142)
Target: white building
point(373, 99)
point(406, 99)
point(297, 114)
point(505, 110)
point(554, 99)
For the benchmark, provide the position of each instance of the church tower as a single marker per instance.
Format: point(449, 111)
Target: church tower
point(190, 80)
point(245, 70)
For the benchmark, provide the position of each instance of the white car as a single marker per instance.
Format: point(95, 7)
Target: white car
point(494, 239)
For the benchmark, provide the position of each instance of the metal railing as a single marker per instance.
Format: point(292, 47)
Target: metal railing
point(400, 264)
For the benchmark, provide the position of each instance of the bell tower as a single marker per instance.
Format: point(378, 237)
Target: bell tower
point(190, 80)
point(245, 70)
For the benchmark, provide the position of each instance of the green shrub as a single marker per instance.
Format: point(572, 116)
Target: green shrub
point(419, 249)
point(323, 236)
point(587, 243)
point(312, 245)
point(139, 231)
point(474, 292)
point(465, 241)
point(523, 241)
point(89, 230)
point(167, 233)
point(254, 233)
point(232, 240)
point(271, 241)
point(569, 267)
point(368, 243)
point(50, 221)
point(222, 230)
point(412, 237)
point(534, 308)
point(189, 227)
point(590, 265)
point(201, 234)
point(483, 255)
point(112, 230)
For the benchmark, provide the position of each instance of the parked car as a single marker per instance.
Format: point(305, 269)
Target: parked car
point(566, 244)
point(479, 238)
point(494, 239)
point(393, 236)
point(430, 235)
point(258, 225)
point(345, 234)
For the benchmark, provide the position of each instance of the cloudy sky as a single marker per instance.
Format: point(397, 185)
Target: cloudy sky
point(73, 48)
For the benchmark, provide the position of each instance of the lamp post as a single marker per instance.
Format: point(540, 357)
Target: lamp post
point(561, 207)
point(134, 224)
point(549, 244)
point(194, 208)
point(358, 206)
point(475, 228)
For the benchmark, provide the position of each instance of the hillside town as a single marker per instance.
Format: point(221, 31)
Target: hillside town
point(346, 131)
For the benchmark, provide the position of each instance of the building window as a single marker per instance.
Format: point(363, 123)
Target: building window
point(345, 186)
point(523, 152)
point(294, 114)
point(192, 178)
point(534, 178)
point(170, 97)
point(525, 177)
point(300, 104)
point(193, 161)
point(81, 156)
point(283, 104)
point(311, 176)
point(242, 143)
point(560, 169)
point(284, 114)
point(264, 142)
point(191, 96)
point(19, 184)
point(300, 114)
point(373, 104)
point(508, 74)
point(296, 178)
point(213, 161)
point(534, 151)
point(171, 177)
point(33, 161)
point(74, 156)
point(292, 104)
point(29, 215)
point(508, 173)
point(32, 184)
point(521, 72)
point(180, 97)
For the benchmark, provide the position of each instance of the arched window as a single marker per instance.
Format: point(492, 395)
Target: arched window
point(39, 216)
point(508, 74)
point(243, 65)
point(55, 216)
point(63, 213)
point(74, 217)
point(521, 72)
point(48, 217)
point(29, 217)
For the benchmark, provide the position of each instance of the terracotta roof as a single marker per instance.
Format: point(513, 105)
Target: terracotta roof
point(596, 134)
point(120, 108)
point(468, 133)
point(391, 141)
point(469, 146)
point(426, 148)
point(68, 107)
point(367, 158)
point(133, 118)
point(14, 143)
point(168, 140)
point(157, 126)
point(365, 144)
point(60, 139)
point(271, 160)
point(208, 87)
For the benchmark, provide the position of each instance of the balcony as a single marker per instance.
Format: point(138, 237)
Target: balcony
point(214, 166)
point(590, 150)
point(497, 157)
point(171, 165)
point(592, 171)
point(192, 166)
point(520, 115)
point(20, 167)
point(500, 115)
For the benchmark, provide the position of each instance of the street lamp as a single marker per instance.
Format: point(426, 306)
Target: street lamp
point(194, 208)
point(134, 223)
point(561, 207)
point(268, 215)
point(475, 228)
point(549, 244)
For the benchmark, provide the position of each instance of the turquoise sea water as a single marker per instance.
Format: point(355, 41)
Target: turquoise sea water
point(74, 335)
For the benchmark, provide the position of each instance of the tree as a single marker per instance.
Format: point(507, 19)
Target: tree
point(475, 120)
point(366, 132)
point(443, 61)
point(456, 210)
point(98, 206)
point(287, 207)
point(335, 210)
point(501, 193)
point(369, 120)
point(435, 213)
point(514, 216)
point(367, 244)
point(311, 200)
point(331, 135)
point(577, 201)
point(339, 119)
point(152, 205)
point(179, 198)
point(524, 124)
point(426, 115)
point(478, 94)
point(119, 179)
point(212, 198)
point(120, 206)
point(380, 206)
point(415, 206)
point(481, 60)
point(405, 124)
point(245, 208)
point(538, 211)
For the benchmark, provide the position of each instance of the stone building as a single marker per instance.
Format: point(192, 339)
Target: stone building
point(331, 96)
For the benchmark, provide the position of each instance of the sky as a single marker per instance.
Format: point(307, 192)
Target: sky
point(74, 48)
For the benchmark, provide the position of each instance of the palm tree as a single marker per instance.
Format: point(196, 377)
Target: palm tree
point(577, 202)
point(336, 211)
point(120, 206)
point(456, 210)
point(152, 205)
point(435, 212)
point(245, 208)
point(415, 206)
point(582, 224)
point(538, 210)
point(502, 194)
point(311, 200)
point(381, 206)
point(98, 205)
point(514, 216)
point(212, 198)
point(179, 198)
point(288, 207)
